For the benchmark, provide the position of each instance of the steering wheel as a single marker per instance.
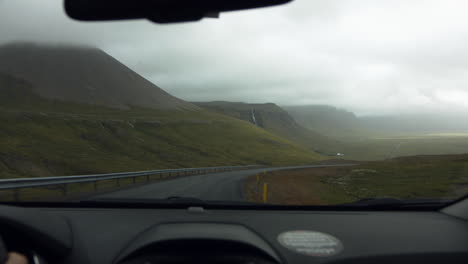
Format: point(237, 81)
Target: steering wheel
point(3, 252)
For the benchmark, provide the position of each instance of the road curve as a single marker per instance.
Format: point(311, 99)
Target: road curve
point(214, 186)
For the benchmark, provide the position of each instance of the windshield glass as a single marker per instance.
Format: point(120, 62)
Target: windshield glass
point(309, 103)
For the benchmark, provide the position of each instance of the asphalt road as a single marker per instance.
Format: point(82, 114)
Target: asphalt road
point(213, 186)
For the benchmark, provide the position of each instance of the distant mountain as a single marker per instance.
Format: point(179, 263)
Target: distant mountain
point(327, 120)
point(386, 136)
point(342, 124)
point(276, 120)
point(83, 75)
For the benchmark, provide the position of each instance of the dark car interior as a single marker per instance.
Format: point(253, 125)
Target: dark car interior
point(106, 233)
point(194, 232)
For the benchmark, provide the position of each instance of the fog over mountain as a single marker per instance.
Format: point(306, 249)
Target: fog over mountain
point(416, 123)
point(370, 57)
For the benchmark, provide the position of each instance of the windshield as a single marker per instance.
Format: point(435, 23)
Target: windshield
point(309, 103)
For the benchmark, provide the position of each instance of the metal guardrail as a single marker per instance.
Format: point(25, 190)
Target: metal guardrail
point(18, 183)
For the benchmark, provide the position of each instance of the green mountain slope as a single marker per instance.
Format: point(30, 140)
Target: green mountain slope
point(42, 137)
point(277, 121)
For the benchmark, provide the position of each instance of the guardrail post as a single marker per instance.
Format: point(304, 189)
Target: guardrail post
point(147, 178)
point(134, 179)
point(118, 182)
point(64, 188)
point(95, 185)
point(16, 194)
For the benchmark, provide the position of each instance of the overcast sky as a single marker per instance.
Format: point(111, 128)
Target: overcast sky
point(367, 56)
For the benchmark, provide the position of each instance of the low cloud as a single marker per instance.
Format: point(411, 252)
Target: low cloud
point(368, 56)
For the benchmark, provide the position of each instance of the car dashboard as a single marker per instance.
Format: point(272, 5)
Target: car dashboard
point(197, 235)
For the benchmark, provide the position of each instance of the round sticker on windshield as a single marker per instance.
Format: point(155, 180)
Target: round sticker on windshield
point(311, 243)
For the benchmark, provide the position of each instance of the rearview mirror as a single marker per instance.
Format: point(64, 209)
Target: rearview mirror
point(159, 11)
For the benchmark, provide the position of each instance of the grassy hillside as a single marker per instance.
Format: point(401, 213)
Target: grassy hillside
point(277, 121)
point(438, 176)
point(42, 137)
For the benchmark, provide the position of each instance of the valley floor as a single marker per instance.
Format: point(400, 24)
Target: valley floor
point(387, 147)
